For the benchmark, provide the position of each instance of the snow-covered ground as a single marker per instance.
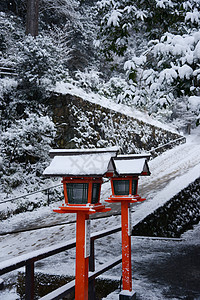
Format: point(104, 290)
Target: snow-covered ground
point(170, 172)
point(162, 268)
point(165, 269)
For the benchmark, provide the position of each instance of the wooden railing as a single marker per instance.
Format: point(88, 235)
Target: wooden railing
point(158, 150)
point(33, 193)
point(7, 71)
point(28, 260)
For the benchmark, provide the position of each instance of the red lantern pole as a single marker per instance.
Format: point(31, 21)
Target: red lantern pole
point(82, 243)
point(126, 247)
point(127, 293)
point(126, 200)
point(81, 282)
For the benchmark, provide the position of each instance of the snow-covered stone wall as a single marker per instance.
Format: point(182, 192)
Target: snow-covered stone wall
point(175, 217)
point(81, 123)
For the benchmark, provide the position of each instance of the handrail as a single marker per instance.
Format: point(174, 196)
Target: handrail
point(28, 260)
point(13, 263)
point(4, 71)
point(171, 142)
point(32, 193)
point(65, 289)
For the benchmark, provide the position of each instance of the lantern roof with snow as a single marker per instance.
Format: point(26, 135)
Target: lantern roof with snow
point(81, 162)
point(132, 164)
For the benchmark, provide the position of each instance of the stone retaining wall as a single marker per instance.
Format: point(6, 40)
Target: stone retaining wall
point(174, 217)
point(81, 123)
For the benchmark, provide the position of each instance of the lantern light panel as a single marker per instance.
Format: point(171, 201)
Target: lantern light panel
point(128, 168)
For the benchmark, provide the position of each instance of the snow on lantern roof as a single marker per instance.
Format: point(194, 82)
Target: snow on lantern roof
point(134, 156)
point(133, 164)
point(63, 152)
point(83, 162)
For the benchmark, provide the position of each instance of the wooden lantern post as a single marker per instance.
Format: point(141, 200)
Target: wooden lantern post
point(124, 184)
point(82, 172)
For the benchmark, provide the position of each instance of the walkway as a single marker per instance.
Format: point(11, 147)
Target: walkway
point(165, 269)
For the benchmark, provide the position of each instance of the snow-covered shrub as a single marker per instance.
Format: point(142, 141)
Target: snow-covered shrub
point(38, 66)
point(11, 28)
point(74, 24)
point(58, 12)
point(90, 80)
point(194, 106)
point(116, 88)
point(174, 72)
point(121, 21)
point(25, 146)
point(60, 37)
point(28, 138)
point(6, 86)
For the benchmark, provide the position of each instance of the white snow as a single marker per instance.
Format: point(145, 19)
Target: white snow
point(185, 72)
point(129, 166)
point(129, 65)
point(140, 14)
point(194, 16)
point(127, 293)
point(168, 74)
point(85, 164)
point(114, 18)
point(197, 51)
point(194, 102)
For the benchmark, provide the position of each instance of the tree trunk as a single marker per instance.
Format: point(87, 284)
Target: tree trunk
point(32, 17)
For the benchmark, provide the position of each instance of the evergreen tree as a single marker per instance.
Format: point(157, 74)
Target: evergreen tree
point(158, 42)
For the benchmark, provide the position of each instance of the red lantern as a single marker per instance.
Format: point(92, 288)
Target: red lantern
point(82, 171)
point(124, 181)
point(124, 186)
